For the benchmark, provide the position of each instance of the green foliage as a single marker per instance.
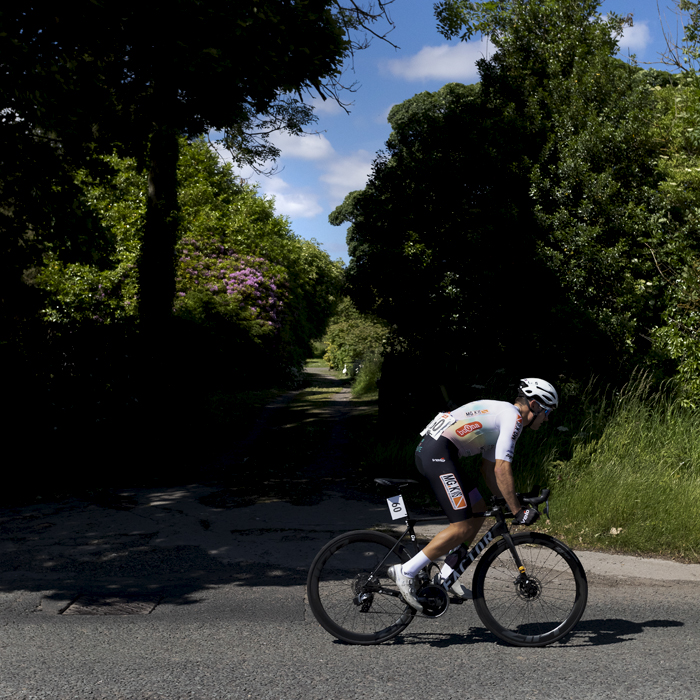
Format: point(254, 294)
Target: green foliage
point(239, 264)
point(352, 337)
point(588, 113)
point(680, 338)
point(540, 230)
point(116, 87)
point(106, 292)
point(367, 379)
point(675, 245)
point(424, 210)
point(464, 19)
point(217, 208)
point(626, 482)
point(595, 215)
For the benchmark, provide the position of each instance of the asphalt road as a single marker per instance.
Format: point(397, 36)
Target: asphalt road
point(260, 642)
point(228, 619)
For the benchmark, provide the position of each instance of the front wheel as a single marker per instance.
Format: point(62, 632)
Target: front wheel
point(539, 606)
point(350, 593)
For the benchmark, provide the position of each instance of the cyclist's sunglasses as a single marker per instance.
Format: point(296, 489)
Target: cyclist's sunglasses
point(546, 410)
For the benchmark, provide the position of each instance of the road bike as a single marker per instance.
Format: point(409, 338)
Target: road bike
point(529, 589)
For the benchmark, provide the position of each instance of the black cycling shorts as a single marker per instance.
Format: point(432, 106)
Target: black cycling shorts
point(438, 461)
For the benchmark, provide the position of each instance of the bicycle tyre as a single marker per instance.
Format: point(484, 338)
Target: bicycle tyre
point(340, 573)
point(544, 609)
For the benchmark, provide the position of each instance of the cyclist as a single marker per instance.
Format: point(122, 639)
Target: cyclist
point(492, 429)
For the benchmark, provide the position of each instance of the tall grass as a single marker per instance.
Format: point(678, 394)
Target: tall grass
point(365, 383)
point(633, 480)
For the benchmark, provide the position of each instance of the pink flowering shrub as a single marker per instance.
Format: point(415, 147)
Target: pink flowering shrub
point(244, 288)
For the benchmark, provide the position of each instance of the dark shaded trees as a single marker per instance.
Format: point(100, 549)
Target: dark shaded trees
point(507, 224)
point(142, 75)
point(89, 78)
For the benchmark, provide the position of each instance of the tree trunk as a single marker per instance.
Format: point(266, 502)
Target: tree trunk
point(157, 263)
point(156, 440)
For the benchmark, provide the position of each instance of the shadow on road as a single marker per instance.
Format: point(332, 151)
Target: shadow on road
point(587, 633)
point(179, 539)
point(612, 631)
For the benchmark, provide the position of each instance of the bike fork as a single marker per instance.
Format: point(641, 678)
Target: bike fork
point(516, 558)
point(508, 539)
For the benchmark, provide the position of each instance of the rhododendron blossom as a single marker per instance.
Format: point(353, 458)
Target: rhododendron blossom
point(251, 283)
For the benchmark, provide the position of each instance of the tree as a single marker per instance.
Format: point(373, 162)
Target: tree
point(676, 249)
point(684, 54)
point(242, 273)
point(435, 195)
point(352, 337)
point(584, 114)
point(580, 113)
point(145, 74)
point(432, 246)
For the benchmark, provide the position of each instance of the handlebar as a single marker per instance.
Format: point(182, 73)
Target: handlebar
point(530, 497)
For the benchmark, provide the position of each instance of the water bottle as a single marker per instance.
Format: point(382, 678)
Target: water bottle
point(457, 554)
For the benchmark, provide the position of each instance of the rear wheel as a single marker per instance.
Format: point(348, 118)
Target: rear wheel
point(537, 607)
point(350, 593)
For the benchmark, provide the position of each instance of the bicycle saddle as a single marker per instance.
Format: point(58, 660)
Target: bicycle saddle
point(395, 482)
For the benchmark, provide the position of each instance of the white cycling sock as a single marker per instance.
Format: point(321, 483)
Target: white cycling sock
point(413, 566)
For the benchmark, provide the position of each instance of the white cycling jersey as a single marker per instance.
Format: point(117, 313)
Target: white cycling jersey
point(488, 427)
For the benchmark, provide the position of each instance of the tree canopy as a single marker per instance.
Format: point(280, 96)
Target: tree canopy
point(515, 223)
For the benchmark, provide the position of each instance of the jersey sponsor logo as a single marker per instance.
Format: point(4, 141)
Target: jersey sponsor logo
point(476, 413)
point(468, 428)
point(454, 491)
point(518, 428)
point(442, 459)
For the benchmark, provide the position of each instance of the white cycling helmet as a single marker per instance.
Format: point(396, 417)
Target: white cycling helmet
point(543, 392)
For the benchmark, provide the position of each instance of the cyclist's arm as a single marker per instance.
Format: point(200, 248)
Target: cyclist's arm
point(499, 479)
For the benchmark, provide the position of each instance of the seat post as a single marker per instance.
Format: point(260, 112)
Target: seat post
point(408, 512)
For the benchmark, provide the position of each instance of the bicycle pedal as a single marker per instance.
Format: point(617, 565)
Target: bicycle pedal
point(454, 600)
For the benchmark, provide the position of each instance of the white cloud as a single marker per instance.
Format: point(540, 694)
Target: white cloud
point(636, 38)
point(347, 173)
point(338, 175)
point(441, 62)
point(311, 147)
point(293, 202)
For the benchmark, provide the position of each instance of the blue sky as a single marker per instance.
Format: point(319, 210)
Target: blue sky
point(316, 172)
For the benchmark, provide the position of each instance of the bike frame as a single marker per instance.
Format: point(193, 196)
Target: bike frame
point(500, 529)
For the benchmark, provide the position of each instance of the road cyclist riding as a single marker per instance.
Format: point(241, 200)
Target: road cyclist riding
point(529, 589)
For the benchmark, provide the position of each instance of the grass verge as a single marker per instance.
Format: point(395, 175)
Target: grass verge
point(633, 483)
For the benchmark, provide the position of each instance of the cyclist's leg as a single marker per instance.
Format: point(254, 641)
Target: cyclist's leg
point(437, 460)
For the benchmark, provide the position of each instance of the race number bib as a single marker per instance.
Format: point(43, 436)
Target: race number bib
point(397, 507)
point(436, 426)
